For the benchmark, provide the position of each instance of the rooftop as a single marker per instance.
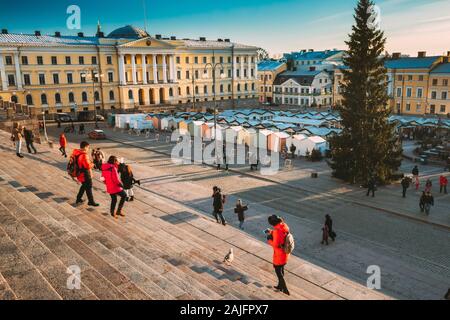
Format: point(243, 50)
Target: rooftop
point(442, 68)
point(313, 55)
point(411, 63)
point(269, 65)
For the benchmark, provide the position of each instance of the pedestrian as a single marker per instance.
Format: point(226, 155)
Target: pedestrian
point(218, 204)
point(428, 202)
point(29, 139)
point(428, 186)
point(81, 129)
point(443, 182)
point(114, 186)
point(415, 173)
point(406, 181)
point(293, 149)
point(98, 157)
point(16, 137)
point(325, 234)
point(422, 202)
point(329, 224)
point(276, 238)
point(128, 180)
point(447, 295)
point(254, 161)
point(84, 173)
point(371, 186)
point(63, 144)
point(240, 210)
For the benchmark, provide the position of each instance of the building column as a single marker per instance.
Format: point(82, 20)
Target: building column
point(18, 73)
point(164, 68)
point(172, 72)
point(144, 69)
point(242, 68)
point(133, 68)
point(122, 69)
point(249, 64)
point(155, 70)
point(235, 67)
point(3, 74)
point(256, 69)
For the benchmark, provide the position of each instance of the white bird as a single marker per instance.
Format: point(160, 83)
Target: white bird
point(229, 257)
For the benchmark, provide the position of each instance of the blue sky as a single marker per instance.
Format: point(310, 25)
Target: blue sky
point(279, 26)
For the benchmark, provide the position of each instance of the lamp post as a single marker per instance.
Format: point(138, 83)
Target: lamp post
point(193, 88)
point(94, 76)
point(45, 126)
point(222, 75)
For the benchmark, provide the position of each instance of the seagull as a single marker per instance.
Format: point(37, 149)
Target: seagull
point(229, 257)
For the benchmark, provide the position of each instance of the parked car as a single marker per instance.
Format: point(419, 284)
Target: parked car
point(97, 135)
point(64, 117)
point(100, 117)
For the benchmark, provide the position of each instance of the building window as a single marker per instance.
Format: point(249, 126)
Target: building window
point(24, 60)
point(408, 92)
point(94, 60)
point(196, 89)
point(408, 107)
point(97, 96)
point(82, 77)
point(187, 75)
point(41, 79)
point(44, 99)
point(421, 78)
point(57, 98)
point(245, 87)
point(55, 78)
point(221, 59)
point(419, 92)
point(170, 92)
point(410, 78)
point(229, 73)
point(400, 78)
point(68, 60)
point(111, 95)
point(188, 91)
point(109, 59)
point(433, 94)
point(445, 82)
point(196, 74)
point(229, 60)
point(443, 108)
point(54, 60)
point(39, 60)
point(111, 76)
point(399, 92)
point(444, 95)
point(8, 61)
point(81, 60)
point(71, 97)
point(29, 99)
point(130, 94)
point(27, 79)
point(239, 87)
point(435, 82)
point(84, 97)
point(221, 88)
point(186, 60)
point(205, 89)
point(245, 73)
point(178, 60)
point(418, 107)
point(238, 73)
point(179, 75)
point(205, 59)
point(229, 88)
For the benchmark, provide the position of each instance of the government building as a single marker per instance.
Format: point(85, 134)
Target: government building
point(127, 69)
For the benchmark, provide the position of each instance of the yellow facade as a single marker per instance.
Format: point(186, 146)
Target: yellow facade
point(54, 74)
point(266, 78)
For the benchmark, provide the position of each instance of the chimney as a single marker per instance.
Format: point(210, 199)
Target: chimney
point(4, 31)
point(311, 50)
point(57, 34)
point(448, 52)
point(101, 34)
point(158, 36)
point(227, 40)
point(81, 34)
point(37, 33)
point(220, 40)
point(173, 38)
point(312, 68)
point(202, 39)
point(422, 54)
point(396, 55)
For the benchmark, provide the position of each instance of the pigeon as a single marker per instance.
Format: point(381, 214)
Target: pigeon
point(229, 257)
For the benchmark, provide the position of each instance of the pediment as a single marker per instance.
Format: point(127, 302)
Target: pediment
point(147, 42)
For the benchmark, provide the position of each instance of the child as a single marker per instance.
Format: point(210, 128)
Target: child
point(128, 180)
point(240, 210)
point(63, 144)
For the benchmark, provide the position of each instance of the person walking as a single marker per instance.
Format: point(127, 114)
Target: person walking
point(29, 139)
point(114, 186)
point(16, 137)
point(218, 204)
point(128, 180)
point(429, 202)
point(81, 129)
point(240, 210)
point(325, 234)
point(443, 182)
point(84, 174)
point(371, 186)
point(428, 186)
point(276, 238)
point(422, 202)
point(254, 161)
point(98, 157)
point(293, 148)
point(415, 173)
point(406, 181)
point(329, 224)
point(63, 144)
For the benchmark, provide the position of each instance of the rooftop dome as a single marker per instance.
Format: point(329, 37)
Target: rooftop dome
point(128, 32)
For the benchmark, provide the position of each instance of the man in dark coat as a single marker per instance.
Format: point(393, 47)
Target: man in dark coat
point(29, 139)
point(406, 181)
point(218, 202)
point(371, 186)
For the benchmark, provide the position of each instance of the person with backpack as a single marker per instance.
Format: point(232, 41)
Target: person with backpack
point(16, 138)
point(29, 139)
point(128, 180)
point(62, 144)
point(282, 243)
point(114, 186)
point(240, 210)
point(98, 157)
point(80, 168)
point(406, 181)
point(428, 201)
point(218, 204)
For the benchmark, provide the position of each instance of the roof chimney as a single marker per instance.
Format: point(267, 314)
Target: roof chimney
point(101, 34)
point(57, 34)
point(173, 38)
point(158, 36)
point(311, 50)
point(227, 40)
point(396, 55)
point(448, 52)
point(37, 33)
point(81, 34)
point(202, 39)
point(422, 54)
point(220, 40)
point(4, 31)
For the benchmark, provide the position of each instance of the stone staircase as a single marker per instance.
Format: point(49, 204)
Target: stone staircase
point(160, 250)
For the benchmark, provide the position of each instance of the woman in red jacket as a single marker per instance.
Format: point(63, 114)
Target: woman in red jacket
point(62, 144)
point(276, 239)
point(443, 182)
point(114, 185)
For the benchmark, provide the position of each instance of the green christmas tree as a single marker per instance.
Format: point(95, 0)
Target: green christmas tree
point(367, 145)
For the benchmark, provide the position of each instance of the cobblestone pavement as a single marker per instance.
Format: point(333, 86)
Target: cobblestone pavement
point(414, 256)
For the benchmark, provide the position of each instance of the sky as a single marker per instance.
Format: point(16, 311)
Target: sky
point(277, 26)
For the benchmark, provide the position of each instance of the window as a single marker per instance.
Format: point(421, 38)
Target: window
point(27, 79)
point(221, 59)
point(24, 60)
point(433, 94)
point(400, 78)
point(94, 60)
point(97, 96)
point(8, 61)
point(421, 78)
point(246, 87)
point(245, 73)
point(109, 59)
point(188, 90)
point(29, 99)
point(419, 92)
point(229, 59)
point(205, 59)
point(178, 60)
point(196, 74)
point(399, 92)
point(111, 95)
point(84, 97)
point(435, 82)
point(443, 108)
point(238, 60)
point(71, 97)
point(229, 73)
point(221, 88)
point(54, 60)
point(39, 60)
point(196, 89)
point(170, 92)
point(57, 98)
point(418, 107)
point(252, 73)
point(253, 87)
point(410, 78)
point(229, 88)
point(408, 92)
point(41, 79)
point(81, 60)
point(44, 99)
point(82, 77)
point(186, 59)
point(445, 82)
point(408, 107)
point(111, 76)
point(130, 94)
point(55, 79)
point(179, 75)
point(187, 74)
point(239, 87)
point(444, 95)
point(238, 73)
point(68, 60)
point(205, 89)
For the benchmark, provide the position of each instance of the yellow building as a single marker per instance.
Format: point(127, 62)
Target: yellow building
point(127, 69)
point(267, 72)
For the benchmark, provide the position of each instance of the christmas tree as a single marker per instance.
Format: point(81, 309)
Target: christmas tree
point(367, 145)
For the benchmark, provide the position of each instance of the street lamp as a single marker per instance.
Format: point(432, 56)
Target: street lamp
point(91, 74)
point(45, 126)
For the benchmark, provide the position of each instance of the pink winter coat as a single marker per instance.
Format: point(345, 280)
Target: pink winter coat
point(112, 180)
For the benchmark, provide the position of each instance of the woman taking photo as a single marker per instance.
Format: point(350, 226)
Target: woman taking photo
point(114, 185)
